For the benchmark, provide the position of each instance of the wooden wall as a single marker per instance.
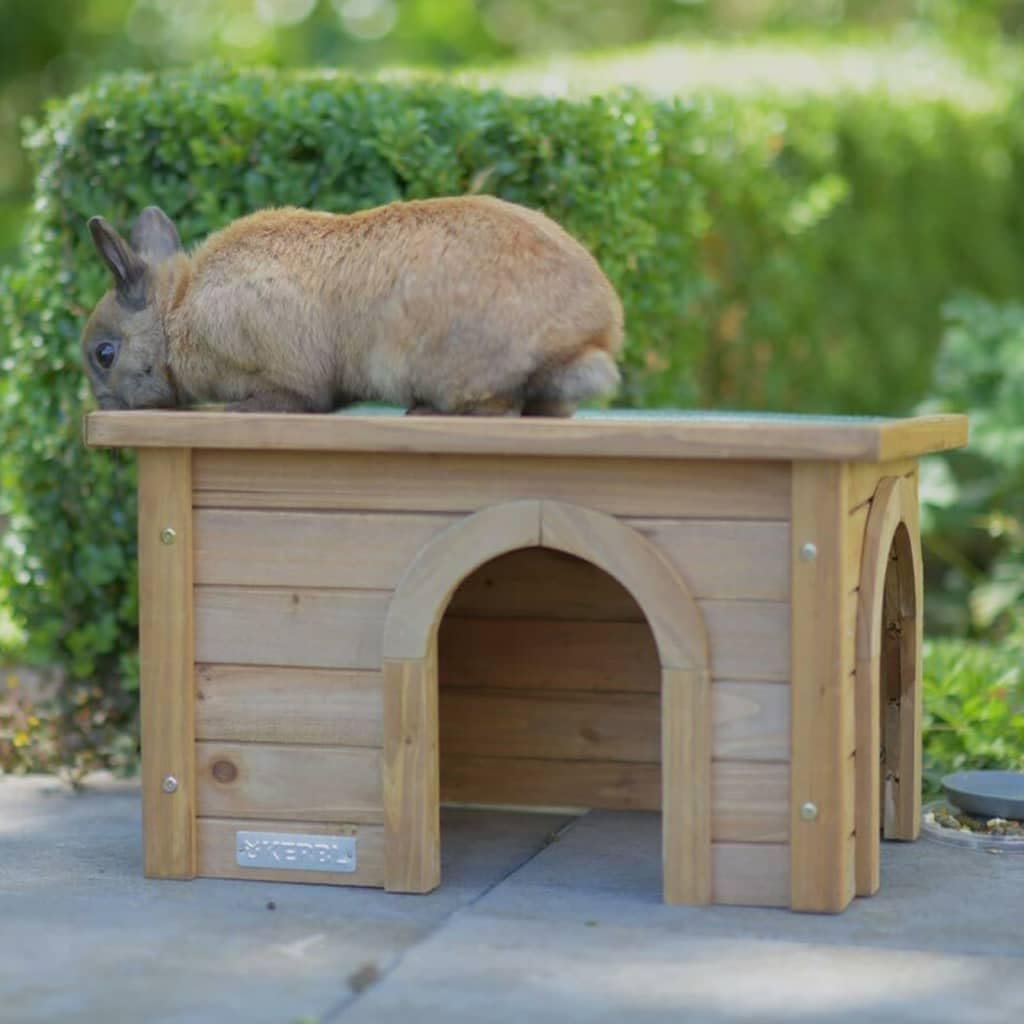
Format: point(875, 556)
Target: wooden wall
point(548, 671)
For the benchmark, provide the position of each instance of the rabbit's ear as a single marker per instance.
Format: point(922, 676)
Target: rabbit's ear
point(128, 268)
point(154, 235)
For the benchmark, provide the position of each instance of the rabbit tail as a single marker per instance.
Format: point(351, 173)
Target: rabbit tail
point(557, 390)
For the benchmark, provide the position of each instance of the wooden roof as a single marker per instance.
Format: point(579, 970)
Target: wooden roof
point(608, 434)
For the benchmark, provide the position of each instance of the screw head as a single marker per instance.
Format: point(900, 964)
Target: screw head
point(808, 552)
point(170, 784)
point(168, 535)
point(809, 811)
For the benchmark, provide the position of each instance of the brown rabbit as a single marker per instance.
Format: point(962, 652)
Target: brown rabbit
point(464, 305)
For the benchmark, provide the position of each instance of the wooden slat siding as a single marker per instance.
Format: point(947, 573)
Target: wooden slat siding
point(641, 487)
point(687, 781)
point(750, 722)
point(536, 783)
point(821, 658)
point(217, 851)
point(301, 628)
point(750, 874)
point(901, 674)
point(719, 560)
point(535, 654)
point(309, 549)
point(411, 775)
point(166, 641)
point(538, 583)
point(253, 703)
point(750, 800)
point(725, 559)
point(717, 437)
point(282, 781)
point(864, 478)
point(749, 640)
point(343, 630)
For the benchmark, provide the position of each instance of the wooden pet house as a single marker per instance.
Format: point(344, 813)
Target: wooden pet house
point(347, 620)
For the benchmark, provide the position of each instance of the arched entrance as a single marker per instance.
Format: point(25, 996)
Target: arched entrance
point(411, 763)
point(888, 679)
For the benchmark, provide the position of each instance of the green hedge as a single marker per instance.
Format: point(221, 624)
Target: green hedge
point(784, 253)
point(973, 708)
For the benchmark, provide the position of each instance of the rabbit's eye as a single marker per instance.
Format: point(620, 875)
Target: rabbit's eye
point(106, 353)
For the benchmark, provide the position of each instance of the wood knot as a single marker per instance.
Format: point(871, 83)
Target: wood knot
point(224, 771)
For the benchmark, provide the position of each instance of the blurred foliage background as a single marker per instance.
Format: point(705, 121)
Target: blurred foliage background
point(50, 47)
point(822, 209)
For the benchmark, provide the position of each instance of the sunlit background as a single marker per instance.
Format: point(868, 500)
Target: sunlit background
point(821, 209)
point(49, 47)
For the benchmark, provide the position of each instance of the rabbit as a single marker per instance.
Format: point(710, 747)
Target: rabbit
point(459, 305)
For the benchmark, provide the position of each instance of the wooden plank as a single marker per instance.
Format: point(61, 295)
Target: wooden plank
point(433, 576)
point(855, 546)
point(166, 642)
point(640, 487)
point(725, 559)
point(560, 726)
point(749, 721)
point(628, 435)
point(286, 782)
point(309, 549)
point(749, 639)
point(881, 524)
point(686, 801)
point(865, 476)
point(303, 628)
point(900, 671)
point(539, 583)
point(288, 705)
point(912, 610)
point(538, 783)
point(548, 655)
point(217, 851)
point(749, 799)
point(822, 657)
point(750, 874)
point(919, 435)
point(719, 560)
point(411, 775)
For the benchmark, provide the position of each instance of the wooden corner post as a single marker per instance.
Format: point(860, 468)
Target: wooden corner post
point(166, 648)
point(822, 772)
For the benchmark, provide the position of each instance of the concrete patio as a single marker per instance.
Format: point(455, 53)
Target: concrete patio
point(540, 918)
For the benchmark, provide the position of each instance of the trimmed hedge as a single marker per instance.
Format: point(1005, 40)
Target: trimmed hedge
point(785, 253)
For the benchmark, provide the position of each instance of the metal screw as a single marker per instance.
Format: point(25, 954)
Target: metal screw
point(168, 535)
point(170, 784)
point(808, 552)
point(809, 811)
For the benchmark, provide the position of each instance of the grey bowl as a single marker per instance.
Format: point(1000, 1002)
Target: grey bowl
point(988, 794)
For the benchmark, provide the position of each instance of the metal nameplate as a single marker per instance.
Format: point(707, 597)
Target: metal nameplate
point(294, 851)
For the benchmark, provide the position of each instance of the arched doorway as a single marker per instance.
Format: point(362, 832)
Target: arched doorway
point(411, 774)
point(888, 679)
point(550, 688)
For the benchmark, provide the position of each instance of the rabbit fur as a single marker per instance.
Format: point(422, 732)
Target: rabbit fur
point(455, 305)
